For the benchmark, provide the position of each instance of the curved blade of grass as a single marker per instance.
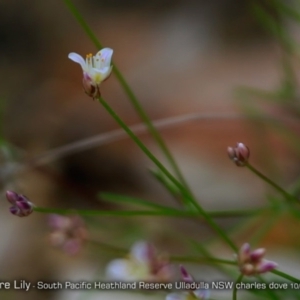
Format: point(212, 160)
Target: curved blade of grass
point(288, 10)
point(132, 213)
point(121, 213)
point(274, 26)
point(159, 176)
point(215, 214)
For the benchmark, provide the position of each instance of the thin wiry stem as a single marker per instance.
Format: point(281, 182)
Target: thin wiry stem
point(282, 191)
point(234, 293)
point(136, 213)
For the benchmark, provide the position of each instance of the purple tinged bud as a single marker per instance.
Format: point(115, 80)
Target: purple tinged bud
point(22, 207)
point(244, 253)
point(12, 197)
point(231, 153)
point(239, 154)
point(185, 275)
point(257, 254)
point(14, 210)
point(267, 266)
point(198, 294)
point(90, 88)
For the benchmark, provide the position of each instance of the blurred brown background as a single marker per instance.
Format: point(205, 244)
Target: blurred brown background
point(179, 57)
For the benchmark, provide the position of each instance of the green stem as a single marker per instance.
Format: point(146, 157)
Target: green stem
point(284, 193)
point(115, 198)
point(214, 214)
point(286, 276)
point(133, 99)
point(128, 213)
point(234, 293)
point(108, 213)
point(236, 213)
point(83, 24)
point(153, 131)
point(183, 190)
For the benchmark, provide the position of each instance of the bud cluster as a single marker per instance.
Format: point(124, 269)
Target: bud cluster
point(252, 263)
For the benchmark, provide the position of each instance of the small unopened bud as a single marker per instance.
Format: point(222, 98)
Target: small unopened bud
point(22, 207)
point(189, 293)
point(185, 275)
point(90, 88)
point(239, 154)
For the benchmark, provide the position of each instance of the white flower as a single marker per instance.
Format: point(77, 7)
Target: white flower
point(142, 264)
point(95, 70)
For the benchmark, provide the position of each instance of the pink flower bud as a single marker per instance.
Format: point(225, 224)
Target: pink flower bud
point(239, 154)
point(257, 254)
point(185, 275)
point(22, 207)
point(266, 266)
point(90, 88)
point(189, 293)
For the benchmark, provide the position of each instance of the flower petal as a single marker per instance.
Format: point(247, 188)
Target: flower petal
point(118, 269)
point(141, 251)
point(99, 75)
point(78, 59)
point(106, 55)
